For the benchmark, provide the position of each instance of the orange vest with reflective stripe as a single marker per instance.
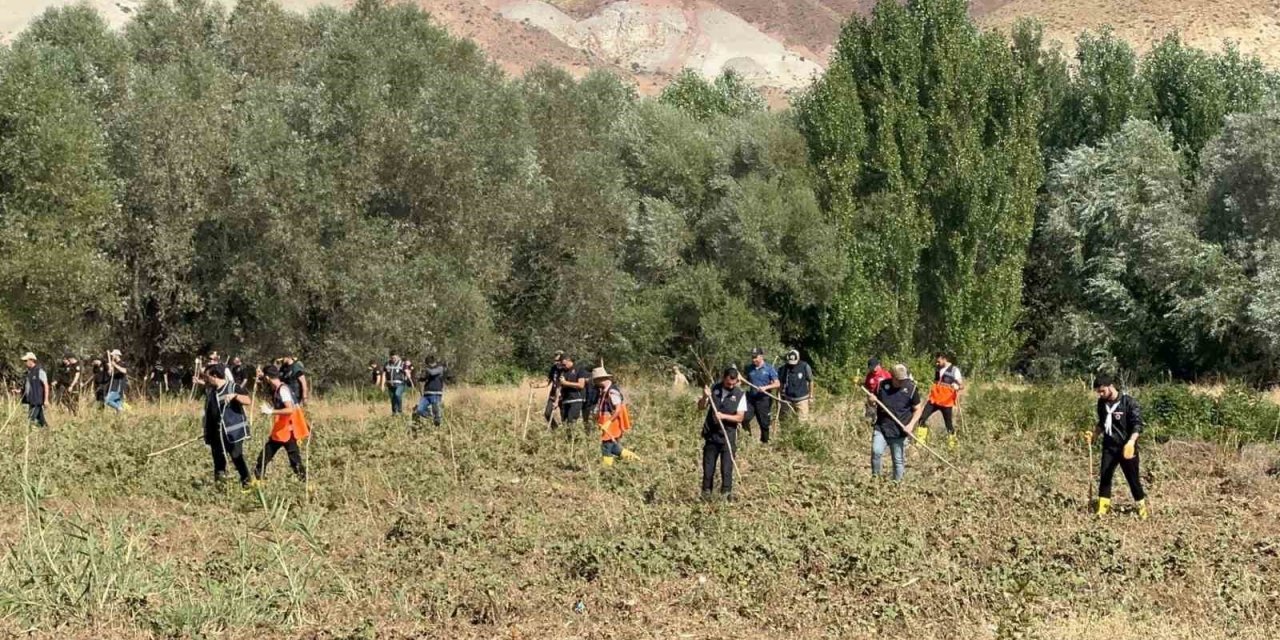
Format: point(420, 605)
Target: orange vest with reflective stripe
point(289, 425)
point(613, 420)
point(942, 394)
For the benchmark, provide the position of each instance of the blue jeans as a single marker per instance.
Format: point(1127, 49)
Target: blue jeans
point(897, 448)
point(611, 448)
point(431, 404)
point(396, 391)
point(115, 400)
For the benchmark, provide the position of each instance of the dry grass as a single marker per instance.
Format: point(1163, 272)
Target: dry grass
point(393, 543)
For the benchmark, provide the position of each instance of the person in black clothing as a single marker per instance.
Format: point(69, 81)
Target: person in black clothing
point(67, 382)
point(286, 432)
point(101, 380)
point(432, 401)
point(242, 373)
point(726, 406)
point(797, 387)
point(35, 390)
point(374, 372)
point(157, 382)
point(573, 390)
point(1119, 425)
point(226, 422)
point(294, 376)
point(553, 396)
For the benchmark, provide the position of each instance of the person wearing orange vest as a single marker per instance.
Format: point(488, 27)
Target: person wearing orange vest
point(612, 417)
point(943, 396)
point(288, 427)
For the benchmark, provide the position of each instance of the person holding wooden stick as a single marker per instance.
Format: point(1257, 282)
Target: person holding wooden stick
point(897, 414)
point(763, 379)
point(613, 418)
point(726, 406)
point(226, 422)
point(551, 414)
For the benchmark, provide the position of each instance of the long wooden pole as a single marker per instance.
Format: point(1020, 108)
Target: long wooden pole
point(904, 430)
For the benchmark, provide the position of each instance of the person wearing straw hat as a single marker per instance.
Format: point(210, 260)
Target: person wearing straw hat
point(612, 417)
point(897, 414)
point(117, 381)
point(226, 421)
point(35, 389)
point(726, 406)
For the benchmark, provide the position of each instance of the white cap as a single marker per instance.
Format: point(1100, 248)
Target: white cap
point(29, 356)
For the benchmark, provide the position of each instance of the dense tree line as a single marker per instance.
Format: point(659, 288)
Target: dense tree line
point(341, 183)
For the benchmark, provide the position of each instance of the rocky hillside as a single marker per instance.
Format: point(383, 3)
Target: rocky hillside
point(776, 44)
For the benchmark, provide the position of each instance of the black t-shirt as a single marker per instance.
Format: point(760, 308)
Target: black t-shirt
point(570, 394)
point(67, 372)
point(553, 377)
point(158, 375)
point(100, 375)
point(433, 379)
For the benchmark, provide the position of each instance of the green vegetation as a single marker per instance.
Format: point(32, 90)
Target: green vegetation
point(345, 182)
point(490, 529)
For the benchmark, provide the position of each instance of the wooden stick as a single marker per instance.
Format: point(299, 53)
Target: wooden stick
point(780, 400)
point(904, 430)
point(176, 446)
point(711, 406)
point(528, 409)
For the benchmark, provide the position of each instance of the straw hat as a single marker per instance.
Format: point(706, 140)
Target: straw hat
point(599, 373)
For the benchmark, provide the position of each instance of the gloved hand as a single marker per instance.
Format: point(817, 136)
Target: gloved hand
point(1129, 451)
point(266, 409)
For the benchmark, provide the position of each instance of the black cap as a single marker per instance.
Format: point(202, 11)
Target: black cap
point(757, 352)
point(1103, 380)
point(271, 371)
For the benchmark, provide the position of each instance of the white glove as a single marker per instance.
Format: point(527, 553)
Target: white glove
point(266, 409)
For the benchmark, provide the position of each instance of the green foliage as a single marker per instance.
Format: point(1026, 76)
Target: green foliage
point(727, 96)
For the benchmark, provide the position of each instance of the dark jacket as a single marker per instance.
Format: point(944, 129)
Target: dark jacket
point(902, 401)
point(723, 401)
point(1126, 420)
point(433, 380)
point(34, 385)
point(797, 381)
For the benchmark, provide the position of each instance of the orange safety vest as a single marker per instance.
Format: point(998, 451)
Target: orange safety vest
point(942, 394)
point(289, 425)
point(613, 420)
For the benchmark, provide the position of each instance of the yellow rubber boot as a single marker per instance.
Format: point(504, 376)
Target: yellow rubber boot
point(1143, 511)
point(1104, 506)
point(922, 435)
point(630, 456)
point(606, 461)
point(951, 441)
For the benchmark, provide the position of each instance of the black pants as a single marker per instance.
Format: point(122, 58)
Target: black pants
point(713, 452)
point(1112, 458)
point(761, 409)
point(35, 413)
point(931, 408)
point(549, 414)
point(233, 451)
point(571, 411)
point(269, 452)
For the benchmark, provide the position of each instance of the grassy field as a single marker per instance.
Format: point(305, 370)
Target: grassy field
point(489, 529)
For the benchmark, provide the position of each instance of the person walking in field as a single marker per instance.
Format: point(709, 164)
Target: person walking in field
point(226, 422)
point(117, 381)
point(1119, 425)
point(551, 413)
point(432, 401)
point(764, 380)
point(393, 381)
point(797, 388)
point(943, 397)
point(897, 414)
point(156, 383)
point(726, 407)
point(295, 377)
point(35, 390)
point(67, 382)
point(573, 391)
point(876, 375)
point(288, 427)
point(613, 418)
